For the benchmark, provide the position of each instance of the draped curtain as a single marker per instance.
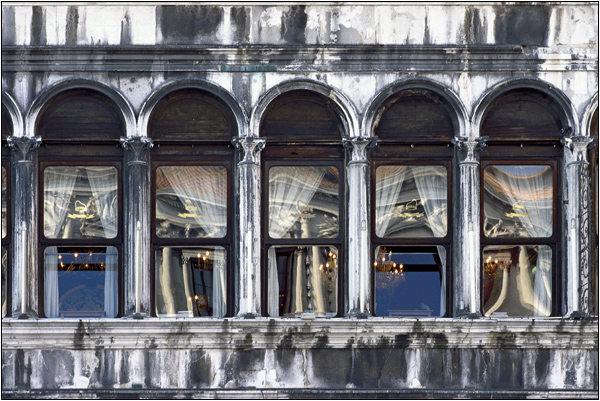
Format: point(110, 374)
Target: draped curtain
point(532, 187)
point(388, 185)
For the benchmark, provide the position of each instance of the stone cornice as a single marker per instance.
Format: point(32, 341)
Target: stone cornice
point(307, 58)
point(232, 333)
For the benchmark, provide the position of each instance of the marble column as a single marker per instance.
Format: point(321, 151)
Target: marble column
point(577, 275)
point(136, 213)
point(25, 280)
point(358, 272)
point(248, 277)
point(466, 278)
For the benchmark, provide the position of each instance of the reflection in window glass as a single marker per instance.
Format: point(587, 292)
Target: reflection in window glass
point(518, 201)
point(80, 202)
point(409, 282)
point(80, 282)
point(191, 281)
point(191, 201)
point(4, 204)
point(303, 202)
point(517, 280)
point(303, 278)
point(411, 201)
point(4, 278)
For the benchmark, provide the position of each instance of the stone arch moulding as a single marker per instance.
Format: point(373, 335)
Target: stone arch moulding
point(344, 107)
point(114, 95)
point(569, 113)
point(15, 114)
point(588, 113)
point(148, 106)
point(459, 112)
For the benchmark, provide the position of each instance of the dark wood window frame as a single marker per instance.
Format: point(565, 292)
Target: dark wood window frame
point(7, 239)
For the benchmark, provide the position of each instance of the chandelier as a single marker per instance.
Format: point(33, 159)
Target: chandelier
point(389, 273)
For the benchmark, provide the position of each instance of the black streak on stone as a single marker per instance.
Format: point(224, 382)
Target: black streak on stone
point(331, 367)
point(8, 26)
point(286, 341)
point(190, 24)
point(474, 27)
point(38, 26)
point(402, 341)
point(200, 368)
point(522, 25)
point(126, 30)
point(78, 341)
point(242, 27)
point(293, 25)
point(426, 35)
point(321, 342)
point(57, 369)
point(72, 22)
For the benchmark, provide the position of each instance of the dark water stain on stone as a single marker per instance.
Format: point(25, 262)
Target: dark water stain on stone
point(38, 26)
point(72, 23)
point(522, 25)
point(293, 25)
point(189, 24)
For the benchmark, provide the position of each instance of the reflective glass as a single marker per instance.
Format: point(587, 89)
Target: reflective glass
point(4, 273)
point(191, 201)
point(518, 201)
point(517, 280)
point(411, 201)
point(80, 282)
point(4, 204)
point(303, 278)
point(81, 202)
point(304, 202)
point(191, 281)
point(410, 283)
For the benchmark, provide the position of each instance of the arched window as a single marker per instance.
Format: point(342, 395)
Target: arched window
point(303, 205)
point(520, 224)
point(7, 130)
point(80, 204)
point(192, 163)
point(411, 209)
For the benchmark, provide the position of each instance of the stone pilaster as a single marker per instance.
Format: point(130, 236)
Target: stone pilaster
point(577, 275)
point(136, 243)
point(248, 279)
point(358, 272)
point(25, 279)
point(467, 265)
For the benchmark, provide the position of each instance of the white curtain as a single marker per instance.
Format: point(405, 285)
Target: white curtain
point(290, 189)
point(59, 183)
point(206, 188)
point(219, 282)
point(532, 187)
point(432, 185)
point(389, 182)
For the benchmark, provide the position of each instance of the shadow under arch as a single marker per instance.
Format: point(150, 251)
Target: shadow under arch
point(16, 118)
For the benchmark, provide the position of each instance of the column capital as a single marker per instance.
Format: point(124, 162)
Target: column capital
point(578, 145)
point(24, 145)
point(359, 146)
point(137, 145)
point(251, 146)
point(472, 146)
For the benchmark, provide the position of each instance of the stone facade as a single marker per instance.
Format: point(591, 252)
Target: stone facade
point(357, 56)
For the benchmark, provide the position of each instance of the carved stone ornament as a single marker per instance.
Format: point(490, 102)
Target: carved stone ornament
point(137, 145)
point(251, 147)
point(471, 145)
point(584, 239)
point(24, 145)
point(360, 146)
point(579, 146)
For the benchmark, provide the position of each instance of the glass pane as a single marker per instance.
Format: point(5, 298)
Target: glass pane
point(517, 280)
point(4, 277)
point(518, 201)
point(81, 202)
point(191, 281)
point(80, 282)
point(304, 202)
point(191, 201)
point(410, 283)
point(411, 201)
point(303, 278)
point(4, 204)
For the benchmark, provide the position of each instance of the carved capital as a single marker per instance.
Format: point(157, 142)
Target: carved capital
point(23, 146)
point(137, 145)
point(578, 145)
point(471, 146)
point(251, 146)
point(359, 147)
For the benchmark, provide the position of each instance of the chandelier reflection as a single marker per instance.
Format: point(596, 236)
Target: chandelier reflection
point(329, 268)
point(493, 265)
point(389, 273)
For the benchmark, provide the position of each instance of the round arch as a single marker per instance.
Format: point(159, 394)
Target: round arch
point(457, 110)
point(588, 114)
point(170, 87)
point(568, 115)
point(119, 100)
point(342, 105)
point(15, 114)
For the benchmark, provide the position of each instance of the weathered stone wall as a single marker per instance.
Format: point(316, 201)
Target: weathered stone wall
point(356, 52)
